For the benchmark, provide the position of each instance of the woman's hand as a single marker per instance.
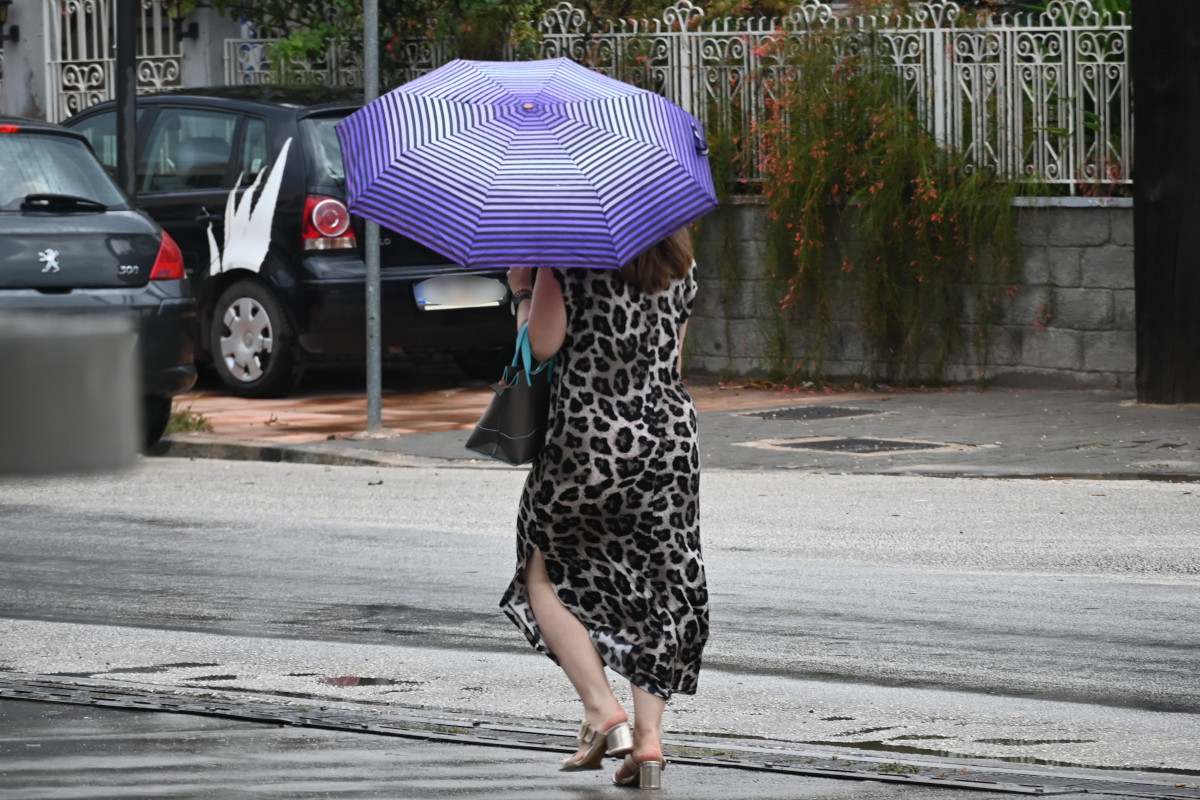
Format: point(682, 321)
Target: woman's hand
point(520, 278)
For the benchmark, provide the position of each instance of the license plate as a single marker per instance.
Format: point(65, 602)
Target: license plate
point(448, 292)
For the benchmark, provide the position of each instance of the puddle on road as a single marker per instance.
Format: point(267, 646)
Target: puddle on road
point(351, 680)
point(157, 668)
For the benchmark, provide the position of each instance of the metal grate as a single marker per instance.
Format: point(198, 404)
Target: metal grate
point(810, 412)
point(856, 444)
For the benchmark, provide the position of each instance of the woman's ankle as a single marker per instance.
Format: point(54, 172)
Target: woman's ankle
point(605, 719)
point(647, 753)
point(647, 746)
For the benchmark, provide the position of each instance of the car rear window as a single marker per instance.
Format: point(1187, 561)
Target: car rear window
point(47, 164)
point(327, 166)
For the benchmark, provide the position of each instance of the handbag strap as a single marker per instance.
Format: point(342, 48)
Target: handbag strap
point(523, 356)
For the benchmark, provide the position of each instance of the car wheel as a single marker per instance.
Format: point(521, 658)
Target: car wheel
point(156, 414)
point(253, 346)
point(485, 365)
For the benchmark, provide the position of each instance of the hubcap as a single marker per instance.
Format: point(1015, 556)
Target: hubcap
point(246, 346)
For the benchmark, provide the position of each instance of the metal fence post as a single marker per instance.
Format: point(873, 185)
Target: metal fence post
point(126, 92)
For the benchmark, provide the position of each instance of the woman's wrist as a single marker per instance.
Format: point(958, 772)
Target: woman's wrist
point(519, 296)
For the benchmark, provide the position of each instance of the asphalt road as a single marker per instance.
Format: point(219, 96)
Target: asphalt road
point(1051, 622)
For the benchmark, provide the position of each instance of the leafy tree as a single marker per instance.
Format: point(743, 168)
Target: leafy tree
point(482, 29)
point(1102, 6)
point(476, 28)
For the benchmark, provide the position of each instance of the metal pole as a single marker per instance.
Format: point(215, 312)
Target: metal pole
point(374, 348)
point(126, 92)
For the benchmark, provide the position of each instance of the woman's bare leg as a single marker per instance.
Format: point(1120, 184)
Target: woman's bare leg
point(572, 646)
point(647, 728)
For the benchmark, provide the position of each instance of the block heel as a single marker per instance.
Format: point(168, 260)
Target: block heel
point(617, 741)
point(650, 774)
point(643, 775)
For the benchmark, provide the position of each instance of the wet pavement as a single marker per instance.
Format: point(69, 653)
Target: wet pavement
point(62, 738)
point(75, 751)
point(77, 740)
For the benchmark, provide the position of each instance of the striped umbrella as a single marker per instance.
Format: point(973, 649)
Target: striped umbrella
point(536, 163)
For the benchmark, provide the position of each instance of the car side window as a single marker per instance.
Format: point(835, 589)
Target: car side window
point(101, 133)
point(187, 149)
point(254, 150)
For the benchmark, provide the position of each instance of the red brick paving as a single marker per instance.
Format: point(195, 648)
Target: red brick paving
point(314, 415)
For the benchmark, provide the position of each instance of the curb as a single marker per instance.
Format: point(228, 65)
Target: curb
point(195, 446)
point(201, 446)
point(712, 752)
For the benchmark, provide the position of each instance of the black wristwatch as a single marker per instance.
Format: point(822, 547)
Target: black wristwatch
point(518, 296)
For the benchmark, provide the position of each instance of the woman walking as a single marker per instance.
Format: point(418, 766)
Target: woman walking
point(609, 569)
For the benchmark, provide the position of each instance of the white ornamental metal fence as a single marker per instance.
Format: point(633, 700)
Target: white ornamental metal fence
point(1045, 95)
point(81, 53)
point(249, 61)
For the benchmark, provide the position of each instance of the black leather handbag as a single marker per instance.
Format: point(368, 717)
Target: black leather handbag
point(513, 428)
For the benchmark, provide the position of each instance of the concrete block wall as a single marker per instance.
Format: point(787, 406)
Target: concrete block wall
point(1069, 325)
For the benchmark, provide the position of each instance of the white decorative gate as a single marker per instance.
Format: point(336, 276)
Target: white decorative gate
point(1044, 95)
point(81, 53)
point(247, 62)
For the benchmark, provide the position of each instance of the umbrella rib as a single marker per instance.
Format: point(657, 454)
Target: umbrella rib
point(567, 153)
point(622, 136)
point(652, 145)
point(450, 136)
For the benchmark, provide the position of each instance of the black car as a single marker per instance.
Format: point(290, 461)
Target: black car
point(250, 183)
point(70, 241)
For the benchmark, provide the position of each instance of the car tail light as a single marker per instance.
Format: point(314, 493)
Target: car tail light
point(10, 128)
point(326, 224)
point(169, 264)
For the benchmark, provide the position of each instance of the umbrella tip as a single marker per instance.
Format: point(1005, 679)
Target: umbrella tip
point(701, 140)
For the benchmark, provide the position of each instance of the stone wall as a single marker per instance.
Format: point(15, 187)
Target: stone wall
point(1070, 324)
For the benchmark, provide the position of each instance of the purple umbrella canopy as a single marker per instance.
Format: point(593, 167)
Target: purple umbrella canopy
point(532, 163)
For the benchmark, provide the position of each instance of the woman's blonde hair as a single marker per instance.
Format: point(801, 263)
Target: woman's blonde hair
point(667, 261)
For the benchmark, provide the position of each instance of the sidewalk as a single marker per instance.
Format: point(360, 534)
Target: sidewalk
point(944, 433)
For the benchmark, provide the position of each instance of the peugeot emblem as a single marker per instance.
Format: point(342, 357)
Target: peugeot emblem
point(49, 257)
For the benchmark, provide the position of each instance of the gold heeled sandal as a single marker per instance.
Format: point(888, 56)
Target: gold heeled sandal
point(616, 741)
point(644, 775)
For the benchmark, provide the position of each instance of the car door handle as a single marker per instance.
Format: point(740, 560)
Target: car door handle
point(203, 218)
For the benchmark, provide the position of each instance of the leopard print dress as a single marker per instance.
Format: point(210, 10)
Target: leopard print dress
point(612, 499)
